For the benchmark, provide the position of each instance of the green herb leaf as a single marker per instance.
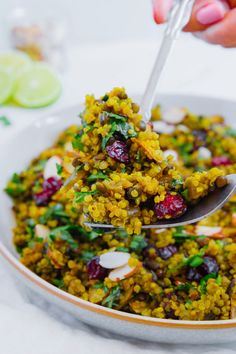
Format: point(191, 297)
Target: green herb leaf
point(184, 287)
point(111, 300)
point(185, 195)
point(63, 233)
point(59, 169)
point(194, 261)
point(56, 211)
point(95, 177)
point(39, 166)
point(138, 243)
point(138, 156)
point(122, 233)
point(126, 130)
point(115, 116)
point(77, 144)
point(204, 280)
point(5, 121)
point(59, 283)
point(15, 187)
point(101, 286)
point(86, 256)
point(105, 98)
point(177, 183)
point(79, 196)
point(122, 249)
point(231, 132)
point(108, 136)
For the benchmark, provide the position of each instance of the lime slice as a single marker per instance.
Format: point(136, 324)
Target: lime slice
point(14, 62)
point(37, 87)
point(6, 86)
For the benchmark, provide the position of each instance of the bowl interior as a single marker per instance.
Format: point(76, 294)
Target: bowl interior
point(40, 134)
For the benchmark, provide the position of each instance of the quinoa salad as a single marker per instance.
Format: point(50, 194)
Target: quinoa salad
point(126, 176)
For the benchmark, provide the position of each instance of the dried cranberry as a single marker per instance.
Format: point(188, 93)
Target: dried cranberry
point(221, 160)
point(166, 252)
point(52, 184)
point(95, 270)
point(208, 266)
point(118, 150)
point(172, 206)
point(50, 187)
point(42, 198)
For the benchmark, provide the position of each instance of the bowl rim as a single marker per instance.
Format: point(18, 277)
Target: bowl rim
point(98, 309)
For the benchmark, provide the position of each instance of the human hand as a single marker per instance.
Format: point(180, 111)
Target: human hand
point(212, 20)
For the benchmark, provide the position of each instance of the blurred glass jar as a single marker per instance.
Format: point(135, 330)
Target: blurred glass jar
point(42, 39)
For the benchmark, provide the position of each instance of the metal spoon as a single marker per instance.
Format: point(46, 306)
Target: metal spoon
point(179, 16)
point(208, 205)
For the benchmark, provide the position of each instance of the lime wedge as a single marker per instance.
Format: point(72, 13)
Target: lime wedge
point(37, 87)
point(6, 86)
point(14, 62)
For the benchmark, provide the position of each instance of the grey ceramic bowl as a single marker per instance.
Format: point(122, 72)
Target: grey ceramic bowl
point(17, 153)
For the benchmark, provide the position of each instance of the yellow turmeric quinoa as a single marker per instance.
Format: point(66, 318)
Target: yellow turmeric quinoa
point(130, 177)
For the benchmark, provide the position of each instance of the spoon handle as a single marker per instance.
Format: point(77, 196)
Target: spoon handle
point(179, 16)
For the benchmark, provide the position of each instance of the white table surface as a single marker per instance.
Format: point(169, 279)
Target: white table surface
point(194, 68)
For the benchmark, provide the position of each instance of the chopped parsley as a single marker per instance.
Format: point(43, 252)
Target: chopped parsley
point(204, 280)
point(39, 166)
point(106, 138)
point(56, 211)
point(138, 243)
point(86, 256)
point(184, 287)
point(59, 168)
point(101, 286)
point(59, 283)
point(79, 196)
point(5, 121)
point(111, 300)
point(63, 232)
point(114, 116)
point(95, 177)
point(15, 187)
point(175, 183)
point(77, 144)
point(121, 127)
point(122, 249)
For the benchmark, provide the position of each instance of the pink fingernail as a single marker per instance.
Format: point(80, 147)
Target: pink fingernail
point(211, 13)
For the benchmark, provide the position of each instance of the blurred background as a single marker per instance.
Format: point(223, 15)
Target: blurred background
point(106, 43)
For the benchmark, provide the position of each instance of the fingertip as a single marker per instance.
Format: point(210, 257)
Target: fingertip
point(161, 9)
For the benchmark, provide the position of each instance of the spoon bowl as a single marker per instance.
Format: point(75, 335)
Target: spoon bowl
point(208, 205)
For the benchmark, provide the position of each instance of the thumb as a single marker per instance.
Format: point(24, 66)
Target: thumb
point(222, 33)
point(206, 13)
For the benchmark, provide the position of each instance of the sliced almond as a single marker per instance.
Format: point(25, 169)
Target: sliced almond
point(183, 128)
point(50, 169)
point(68, 146)
point(123, 272)
point(162, 127)
point(173, 115)
point(111, 260)
point(204, 153)
point(172, 153)
point(208, 230)
point(42, 231)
